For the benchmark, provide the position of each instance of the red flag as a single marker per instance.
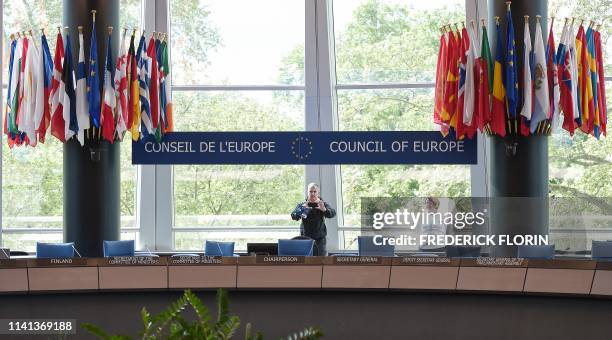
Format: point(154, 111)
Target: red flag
point(584, 82)
point(565, 80)
point(132, 74)
point(440, 78)
point(154, 88)
point(601, 90)
point(55, 98)
point(463, 51)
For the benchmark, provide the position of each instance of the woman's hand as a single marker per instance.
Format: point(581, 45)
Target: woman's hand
point(321, 205)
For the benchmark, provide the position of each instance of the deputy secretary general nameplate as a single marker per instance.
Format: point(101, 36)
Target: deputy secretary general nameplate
point(320, 147)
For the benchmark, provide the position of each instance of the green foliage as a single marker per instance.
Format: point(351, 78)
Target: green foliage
point(171, 324)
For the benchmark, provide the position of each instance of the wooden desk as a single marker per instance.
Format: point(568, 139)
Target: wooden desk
point(272, 271)
point(138, 272)
point(356, 272)
point(602, 281)
point(560, 276)
point(201, 272)
point(71, 274)
point(13, 276)
point(492, 274)
point(424, 273)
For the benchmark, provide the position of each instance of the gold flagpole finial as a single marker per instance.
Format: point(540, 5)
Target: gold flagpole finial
point(456, 26)
point(526, 18)
point(538, 18)
point(496, 20)
point(463, 24)
point(592, 23)
point(12, 36)
point(134, 30)
point(566, 21)
point(110, 30)
point(66, 28)
point(42, 31)
point(581, 21)
point(80, 28)
point(483, 22)
point(143, 32)
point(93, 12)
point(18, 34)
point(552, 21)
point(31, 34)
point(473, 24)
point(508, 3)
point(59, 29)
point(598, 27)
point(573, 19)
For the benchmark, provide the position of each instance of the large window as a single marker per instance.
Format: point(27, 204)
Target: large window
point(386, 54)
point(32, 178)
point(235, 70)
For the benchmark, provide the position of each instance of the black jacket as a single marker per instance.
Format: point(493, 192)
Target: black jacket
point(313, 225)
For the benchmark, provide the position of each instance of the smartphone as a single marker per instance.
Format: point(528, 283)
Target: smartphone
point(313, 205)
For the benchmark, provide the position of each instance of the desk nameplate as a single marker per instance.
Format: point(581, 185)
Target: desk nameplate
point(132, 261)
point(357, 260)
point(201, 260)
point(563, 264)
point(276, 260)
point(65, 262)
point(9, 264)
point(495, 262)
point(425, 261)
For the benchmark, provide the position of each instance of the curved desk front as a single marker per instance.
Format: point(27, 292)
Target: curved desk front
point(490, 275)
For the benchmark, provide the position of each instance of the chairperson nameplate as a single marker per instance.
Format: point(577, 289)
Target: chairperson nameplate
point(321, 147)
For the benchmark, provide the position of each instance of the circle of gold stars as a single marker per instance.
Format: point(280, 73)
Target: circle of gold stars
point(307, 149)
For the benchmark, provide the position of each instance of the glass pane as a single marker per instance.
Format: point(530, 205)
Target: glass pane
point(32, 177)
point(390, 40)
point(236, 41)
point(580, 166)
point(392, 110)
point(238, 110)
point(598, 11)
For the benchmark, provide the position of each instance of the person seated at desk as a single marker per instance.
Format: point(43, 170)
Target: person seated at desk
point(432, 226)
point(313, 212)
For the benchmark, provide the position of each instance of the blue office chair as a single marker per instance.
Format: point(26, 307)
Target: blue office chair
point(462, 251)
point(214, 248)
point(295, 247)
point(366, 247)
point(54, 250)
point(118, 248)
point(601, 250)
point(536, 252)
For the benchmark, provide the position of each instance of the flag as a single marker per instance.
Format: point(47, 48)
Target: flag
point(162, 93)
point(485, 70)
point(56, 97)
point(511, 81)
point(131, 60)
point(601, 98)
point(82, 104)
point(167, 80)
point(42, 116)
point(153, 84)
point(122, 90)
point(585, 89)
point(527, 109)
point(463, 52)
point(135, 91)
point(470, 103)
point(12, 83)
point(69, 101)
point(552, 73)
point(441, 73)
point(498, 119)
point(574, 73)
point(144, 67)
point(541, 100)
point(27, 124)
point(23, 84)
point(107, 119)
point(567, 84)
point(93, 79)
point(594, 122)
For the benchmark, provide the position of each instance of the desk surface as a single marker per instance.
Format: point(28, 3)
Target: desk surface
point(491, 275)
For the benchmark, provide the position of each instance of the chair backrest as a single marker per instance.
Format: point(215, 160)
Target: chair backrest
point(462, 251)
point(118, 248)
point(54, 250)
point(367, 247)
point(214, 248)
point(536, 251)
point(295, 247)
point(601, 250)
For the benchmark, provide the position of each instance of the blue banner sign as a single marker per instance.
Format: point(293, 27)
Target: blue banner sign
point(320, 147)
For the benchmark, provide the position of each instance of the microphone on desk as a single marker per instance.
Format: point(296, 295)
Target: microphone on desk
point(149, 251)
point(8, 256)
point(73, 247)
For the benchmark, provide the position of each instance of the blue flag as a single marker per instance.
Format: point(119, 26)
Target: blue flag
point(510, 80)
point(93, 80)
point(68, 80)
